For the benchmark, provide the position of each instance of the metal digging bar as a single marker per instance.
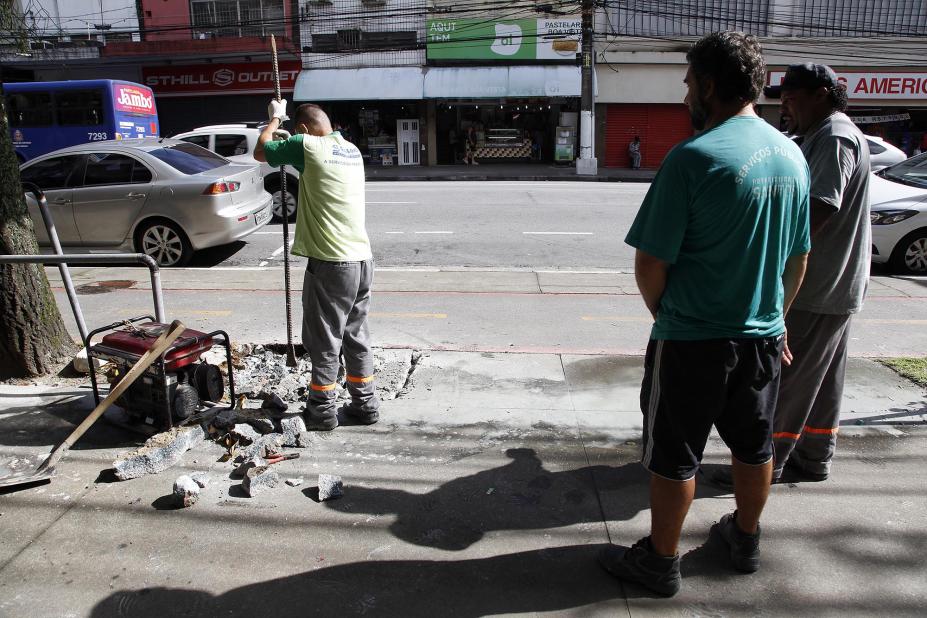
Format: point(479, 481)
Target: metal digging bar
point(290, 353)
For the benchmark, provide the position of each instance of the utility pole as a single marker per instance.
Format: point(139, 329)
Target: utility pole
point(587, 164)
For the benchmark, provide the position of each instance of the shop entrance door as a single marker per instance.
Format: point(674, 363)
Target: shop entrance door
point(407, 138)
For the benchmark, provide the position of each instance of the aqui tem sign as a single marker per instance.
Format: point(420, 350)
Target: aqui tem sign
point(555, 40)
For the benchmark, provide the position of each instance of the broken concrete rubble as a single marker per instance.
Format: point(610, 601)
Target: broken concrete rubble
point(260, 479)
point(254, 462)
point(200, 478)
point(330, 487)
point(294, 482)
point(186, 491)
point(291, 427)
point(159, 453)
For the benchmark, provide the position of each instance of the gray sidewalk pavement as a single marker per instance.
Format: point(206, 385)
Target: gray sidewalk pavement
point(505, 171)
point(486, 489)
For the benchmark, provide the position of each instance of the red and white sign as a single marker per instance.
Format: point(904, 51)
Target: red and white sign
point(240, 78)
point(133, 99)
point(897, 86)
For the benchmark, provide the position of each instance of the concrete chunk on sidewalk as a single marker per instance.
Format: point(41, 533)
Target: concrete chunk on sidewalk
point(159, 453)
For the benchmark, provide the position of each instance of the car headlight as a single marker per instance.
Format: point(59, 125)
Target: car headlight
point(887, 217)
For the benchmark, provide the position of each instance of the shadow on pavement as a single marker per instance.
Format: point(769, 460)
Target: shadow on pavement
point(533, 581)
point(51, 422)
point(206, 258)
point(521, 495)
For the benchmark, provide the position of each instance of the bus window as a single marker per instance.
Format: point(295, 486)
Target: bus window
point(29, 109)
point(79, 107)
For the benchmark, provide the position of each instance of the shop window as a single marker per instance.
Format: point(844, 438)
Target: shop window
point(79, 107)
point(29, 109)
point(324, 43)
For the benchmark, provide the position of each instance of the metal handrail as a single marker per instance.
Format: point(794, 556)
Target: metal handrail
point(100, 258)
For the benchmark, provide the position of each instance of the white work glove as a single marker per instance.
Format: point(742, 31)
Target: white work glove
point(277, 109)
point(281, 134)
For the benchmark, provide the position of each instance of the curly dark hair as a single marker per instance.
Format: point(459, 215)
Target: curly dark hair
point(838, 97)
point(734, 61)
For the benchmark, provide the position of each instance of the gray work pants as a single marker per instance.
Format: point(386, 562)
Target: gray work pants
point(810, 391)
point(336, 299)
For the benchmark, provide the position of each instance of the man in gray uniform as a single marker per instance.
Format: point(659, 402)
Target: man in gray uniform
point(818, 326)
point(331, 233)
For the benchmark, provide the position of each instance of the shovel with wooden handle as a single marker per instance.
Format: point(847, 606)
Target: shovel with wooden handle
point(47, 469)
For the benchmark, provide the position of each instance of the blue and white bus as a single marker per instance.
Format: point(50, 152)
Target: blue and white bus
point(46, 116)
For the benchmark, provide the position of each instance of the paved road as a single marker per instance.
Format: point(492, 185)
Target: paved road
point(546, 225)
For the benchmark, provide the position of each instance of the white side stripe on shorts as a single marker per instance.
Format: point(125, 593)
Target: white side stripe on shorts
point(653, 404)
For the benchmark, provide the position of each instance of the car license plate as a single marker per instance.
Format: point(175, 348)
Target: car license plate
point(262, 217)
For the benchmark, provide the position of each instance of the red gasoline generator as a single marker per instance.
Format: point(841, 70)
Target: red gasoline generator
point(176, 386)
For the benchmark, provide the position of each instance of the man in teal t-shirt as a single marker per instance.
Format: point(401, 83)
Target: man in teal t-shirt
point(331, 232)
point(721, 240)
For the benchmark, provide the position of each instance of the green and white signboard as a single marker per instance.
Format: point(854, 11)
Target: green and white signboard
point(517, 39)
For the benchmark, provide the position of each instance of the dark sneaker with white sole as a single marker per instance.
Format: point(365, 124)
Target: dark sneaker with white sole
point(745, 548)
point(640, 564)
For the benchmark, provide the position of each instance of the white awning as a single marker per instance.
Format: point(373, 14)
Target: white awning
point(398, 83)
point(497, 82)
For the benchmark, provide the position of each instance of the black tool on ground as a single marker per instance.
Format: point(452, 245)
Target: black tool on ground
point(290, 352)
point(156, 349)
point(176, 385)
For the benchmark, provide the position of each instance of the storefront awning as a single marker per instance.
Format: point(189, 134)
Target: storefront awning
point(395, 84)
point(500, 82)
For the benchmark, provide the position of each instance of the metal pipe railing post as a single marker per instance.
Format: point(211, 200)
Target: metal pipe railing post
point(62, 268)
point(101, 258)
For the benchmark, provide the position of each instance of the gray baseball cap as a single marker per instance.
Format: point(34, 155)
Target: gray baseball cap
point(807, 76)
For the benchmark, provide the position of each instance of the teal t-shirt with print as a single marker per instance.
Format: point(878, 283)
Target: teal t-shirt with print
point(726, 210)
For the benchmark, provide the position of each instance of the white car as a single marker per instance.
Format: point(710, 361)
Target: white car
point(898, 201)
point(882, 154)
point(236, 142)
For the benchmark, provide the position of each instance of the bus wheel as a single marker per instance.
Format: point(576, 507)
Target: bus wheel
point(165, 242)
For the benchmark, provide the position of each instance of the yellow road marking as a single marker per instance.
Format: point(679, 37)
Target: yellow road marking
point(220, 313)
point(615, 318)
point(435, 316)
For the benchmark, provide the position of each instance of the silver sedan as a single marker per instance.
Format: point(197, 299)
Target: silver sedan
point(162, 197)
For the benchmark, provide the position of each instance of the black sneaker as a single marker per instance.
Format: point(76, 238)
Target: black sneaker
point(745, 548)
point(359, 416)
point(320, 423)
point(640, 564)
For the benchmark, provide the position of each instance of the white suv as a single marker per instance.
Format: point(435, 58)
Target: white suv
point(236, 142)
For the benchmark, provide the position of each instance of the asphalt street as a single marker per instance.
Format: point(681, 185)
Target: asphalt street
point(497, 225)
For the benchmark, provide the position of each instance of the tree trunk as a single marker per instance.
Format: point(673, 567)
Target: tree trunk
point(32, 335)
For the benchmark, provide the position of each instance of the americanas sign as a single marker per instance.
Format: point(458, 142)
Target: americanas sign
point(239, 78)
point(897, 86)
point(517, 39)
point(133, 99)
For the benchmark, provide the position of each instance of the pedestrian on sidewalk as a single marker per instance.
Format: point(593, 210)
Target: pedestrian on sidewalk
point(331, 233)
point(721, 240)
point(808, 413)
point(634, 151)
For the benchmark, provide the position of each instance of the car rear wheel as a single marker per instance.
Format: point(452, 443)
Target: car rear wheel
point(273, 186)
point(910, 255)
point(165, 242)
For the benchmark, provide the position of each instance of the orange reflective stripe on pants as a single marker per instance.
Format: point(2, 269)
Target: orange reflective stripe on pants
point(359, 380)
point(815, 430)
point(325, 387)
point(786, 435)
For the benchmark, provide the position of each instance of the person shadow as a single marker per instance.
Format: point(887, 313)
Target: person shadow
point(544, 580)
point(520, 495)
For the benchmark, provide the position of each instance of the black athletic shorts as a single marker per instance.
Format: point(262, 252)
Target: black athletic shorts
point(691, 385)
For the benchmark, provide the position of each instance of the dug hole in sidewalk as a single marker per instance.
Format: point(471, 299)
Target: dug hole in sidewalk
point(487, 487)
